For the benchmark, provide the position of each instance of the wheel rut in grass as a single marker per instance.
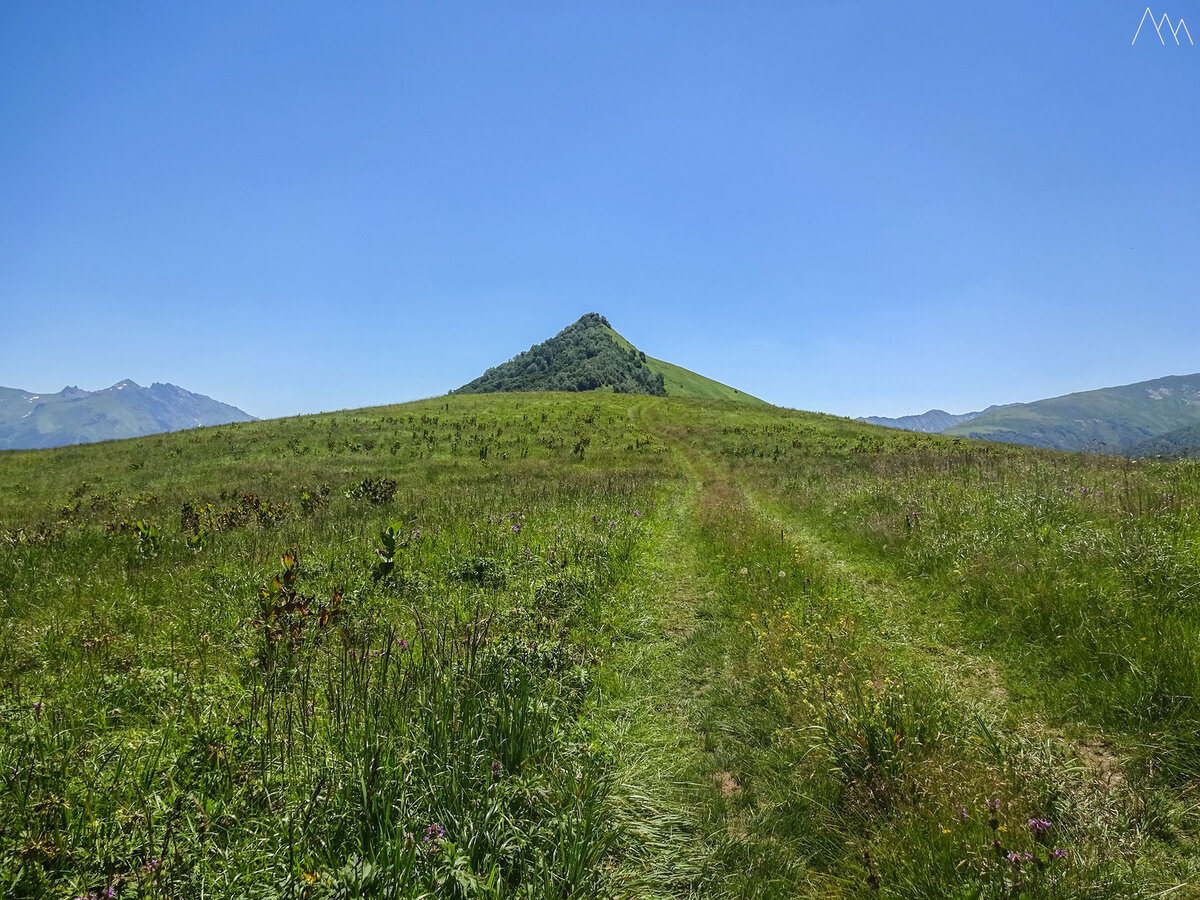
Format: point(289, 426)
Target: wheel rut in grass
point(687, 733)
point(924, 638)
point(913, 629)
point(654, 711)
point(924, 635)
point(782, 738)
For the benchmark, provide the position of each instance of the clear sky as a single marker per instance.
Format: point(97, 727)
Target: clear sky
point(859, 208)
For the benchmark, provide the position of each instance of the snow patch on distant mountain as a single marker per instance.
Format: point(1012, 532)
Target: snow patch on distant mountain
point(76, 416)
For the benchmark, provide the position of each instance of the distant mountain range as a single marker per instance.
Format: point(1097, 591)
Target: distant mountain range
point(1150, 418)
point(589, 355)
point(933, 422)
point(73, 416)
point(1117, 420)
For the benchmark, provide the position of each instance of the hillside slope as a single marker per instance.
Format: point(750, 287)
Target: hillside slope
point(31, 421)
point(1111, 420)
point(589, 355)
point(684, 384)
point(595, 645)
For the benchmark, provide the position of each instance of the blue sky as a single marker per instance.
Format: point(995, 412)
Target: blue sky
point(859, 208)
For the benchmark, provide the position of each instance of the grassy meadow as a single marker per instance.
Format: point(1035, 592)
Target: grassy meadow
point(595, 645)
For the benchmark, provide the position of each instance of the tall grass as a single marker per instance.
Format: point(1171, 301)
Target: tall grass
point(840, 768)
point(371, 653)
point(1082, 569)
point(187, 715)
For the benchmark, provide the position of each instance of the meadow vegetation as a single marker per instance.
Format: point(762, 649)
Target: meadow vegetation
point(595, 645)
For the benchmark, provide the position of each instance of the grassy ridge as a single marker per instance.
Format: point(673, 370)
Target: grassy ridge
point(544, 645)
point(681, 383)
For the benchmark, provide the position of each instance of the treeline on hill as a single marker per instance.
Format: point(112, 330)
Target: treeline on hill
point(1114, 438)
point(1183, 443)
point(582, 357)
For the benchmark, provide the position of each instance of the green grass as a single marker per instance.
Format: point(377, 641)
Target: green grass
point(590, 645)
point(684, 384)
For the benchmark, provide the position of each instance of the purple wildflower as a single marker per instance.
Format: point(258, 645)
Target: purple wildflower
point(434, 832)
point(993, 805)
point(636, 514)
point(963, 813)
point(497, 770)
point(37, 710)
point(516, 529)
point(1039, 827)
point(1059, 853)
point(1015, 860)
point(152, 865)
point(402, 644)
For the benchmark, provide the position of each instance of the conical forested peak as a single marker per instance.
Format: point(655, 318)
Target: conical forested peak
point(585, 356)
point(588, 355)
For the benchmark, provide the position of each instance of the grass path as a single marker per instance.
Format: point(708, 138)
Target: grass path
point(654, 706)
point(690, 749)
point(680, 745)
point(923, 636)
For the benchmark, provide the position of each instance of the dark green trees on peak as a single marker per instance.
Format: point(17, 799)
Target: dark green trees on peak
point(585, 356)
